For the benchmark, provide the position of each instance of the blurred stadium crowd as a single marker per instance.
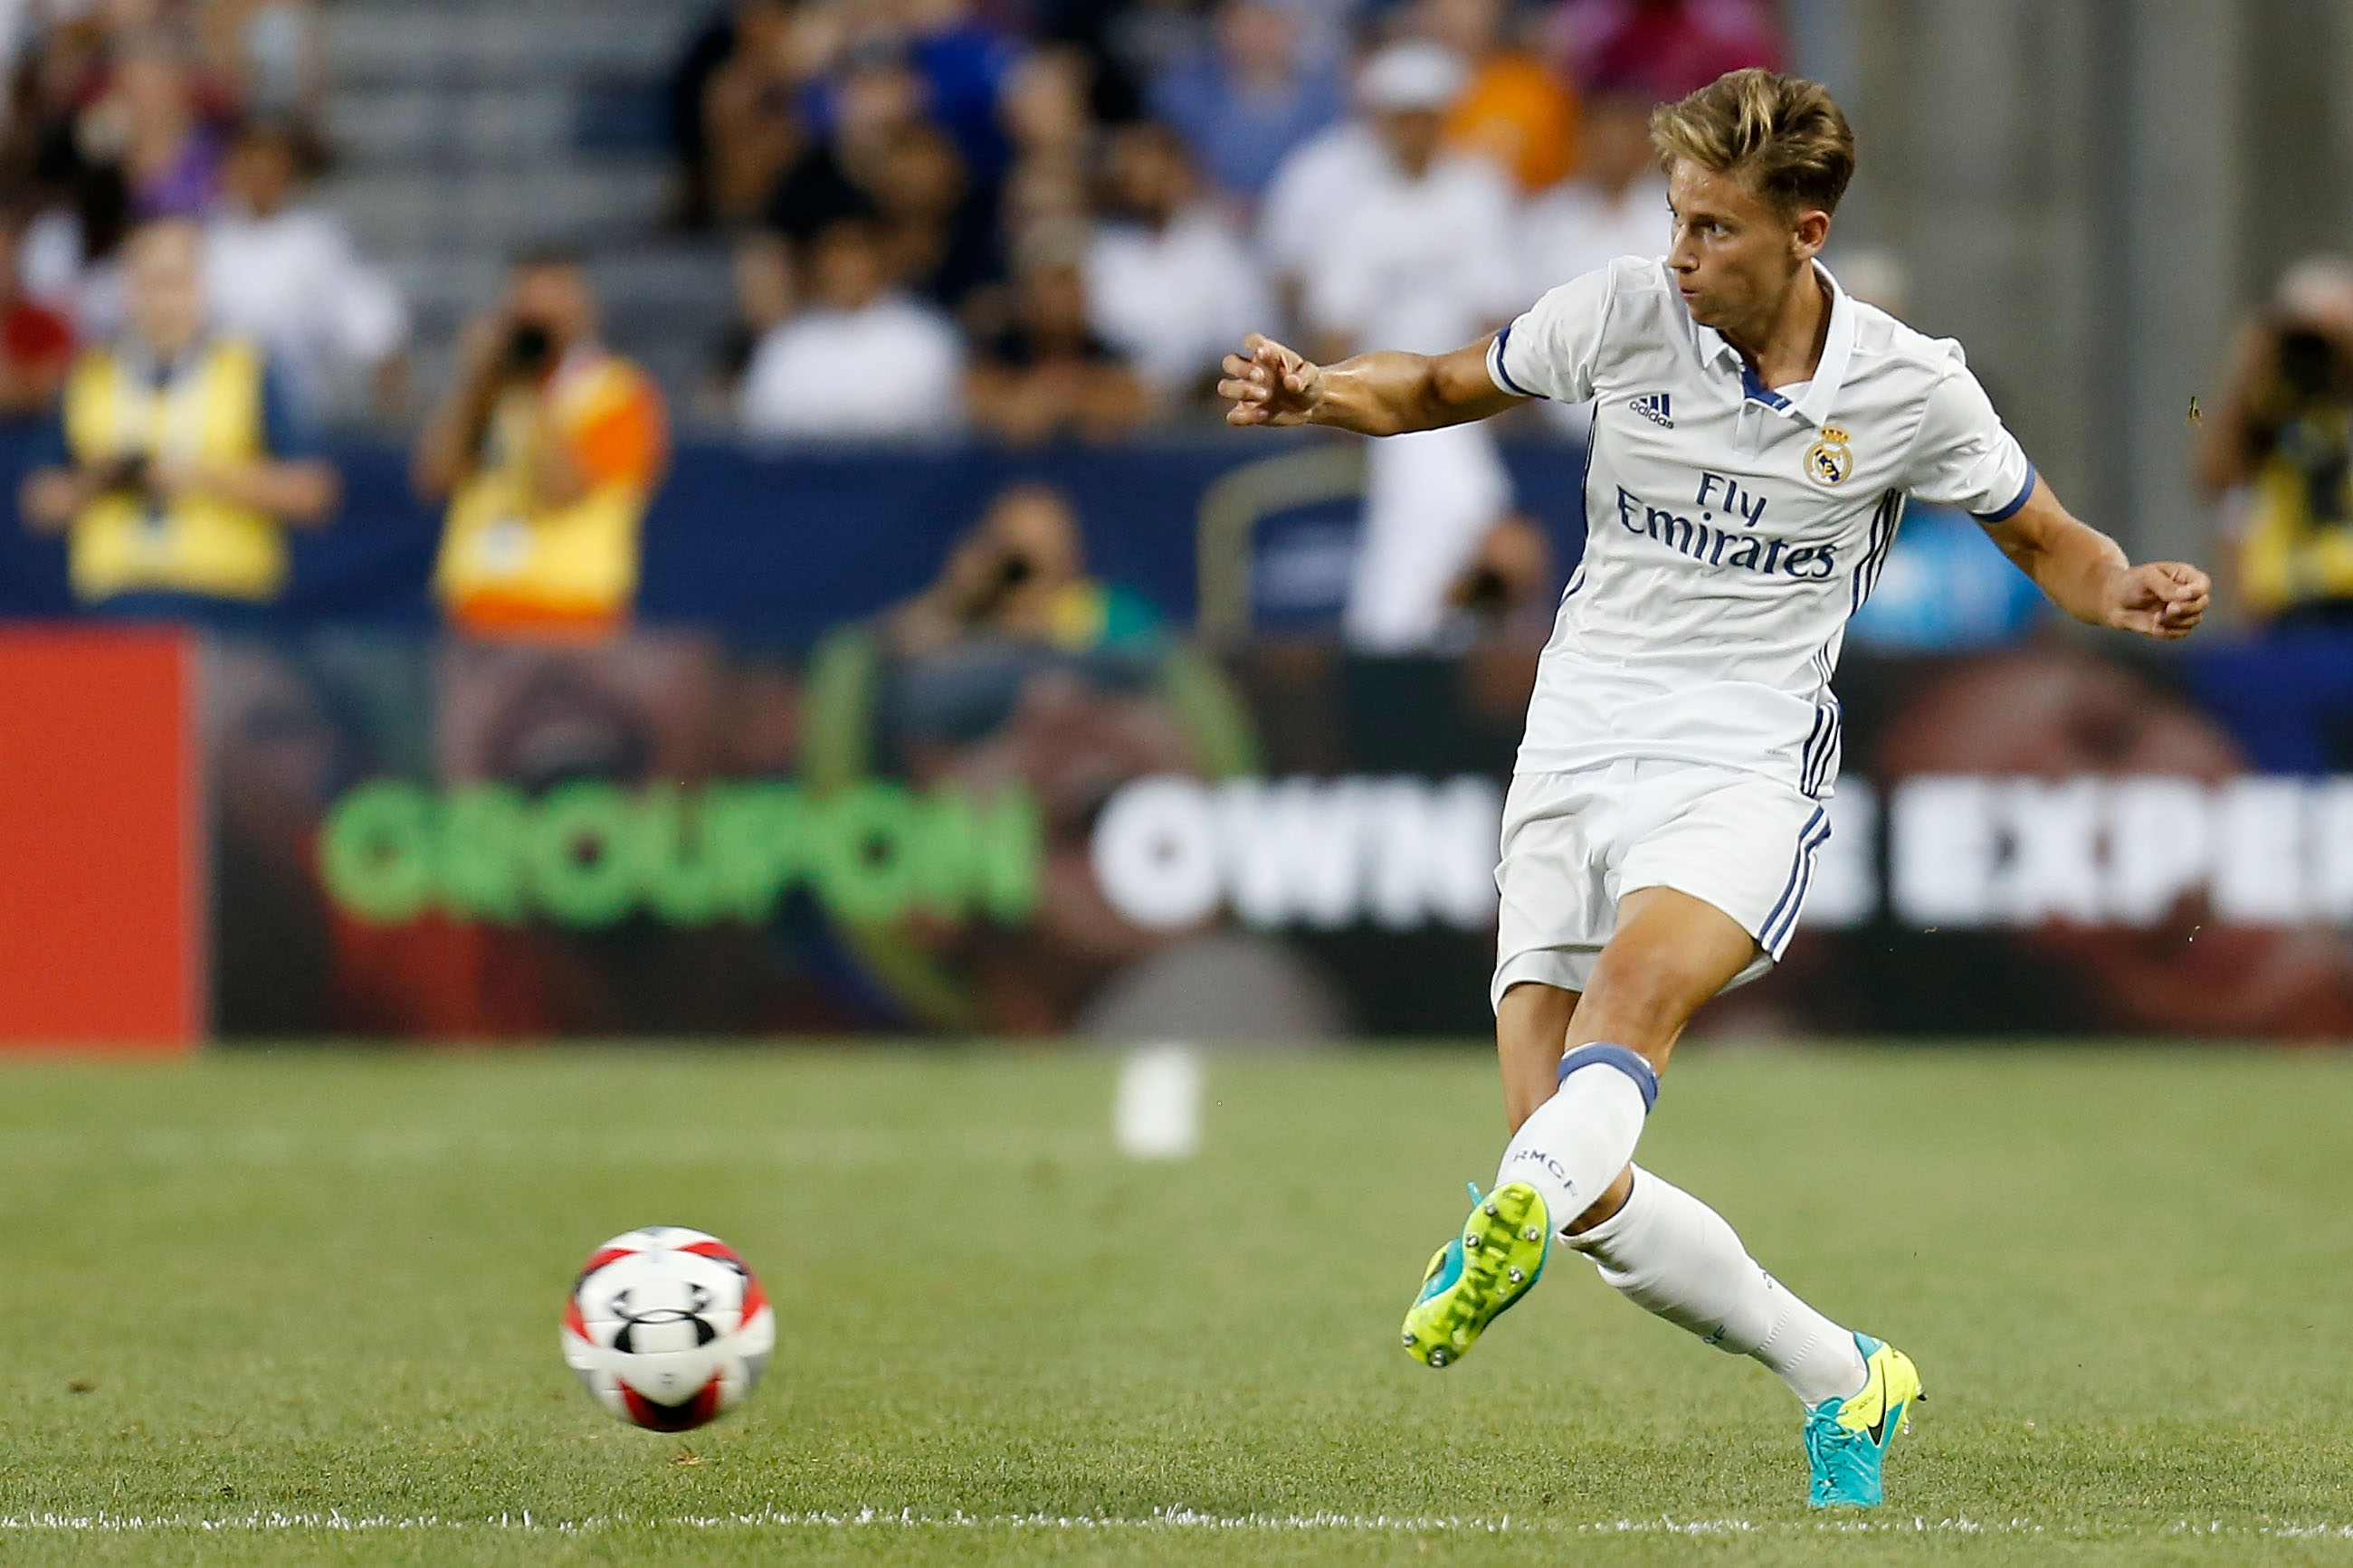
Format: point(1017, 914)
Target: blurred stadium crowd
point(1039, 220)
point(122, 112)
point(945, 220)
point(1059, 227)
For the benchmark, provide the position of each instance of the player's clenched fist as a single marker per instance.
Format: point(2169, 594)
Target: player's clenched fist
point(2163, 599)
point(1269, 385)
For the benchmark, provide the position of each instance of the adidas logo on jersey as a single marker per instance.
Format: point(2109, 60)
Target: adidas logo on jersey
point(1653, 406)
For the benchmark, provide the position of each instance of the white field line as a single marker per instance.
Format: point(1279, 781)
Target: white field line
point(530, 1521)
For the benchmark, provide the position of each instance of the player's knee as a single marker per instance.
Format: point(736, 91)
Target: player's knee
point(1642, 995)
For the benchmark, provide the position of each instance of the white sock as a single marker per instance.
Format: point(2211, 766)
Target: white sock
point(1670, 1253)
point(1577, 1142)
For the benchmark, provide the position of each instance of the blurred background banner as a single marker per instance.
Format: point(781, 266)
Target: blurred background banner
point(681, 834)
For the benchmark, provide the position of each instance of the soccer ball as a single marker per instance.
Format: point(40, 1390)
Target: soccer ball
point(667, 1328)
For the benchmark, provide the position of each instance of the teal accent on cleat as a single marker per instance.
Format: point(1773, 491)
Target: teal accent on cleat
point(1847, 1439)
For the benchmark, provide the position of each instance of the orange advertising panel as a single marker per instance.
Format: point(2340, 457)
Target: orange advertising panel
point(100, 903)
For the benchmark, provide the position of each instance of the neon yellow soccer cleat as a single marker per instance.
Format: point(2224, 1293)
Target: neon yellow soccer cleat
point(1479, 1274)
point(1847, 1439)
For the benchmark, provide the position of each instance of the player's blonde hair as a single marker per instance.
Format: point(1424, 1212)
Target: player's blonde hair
point(1781, 133)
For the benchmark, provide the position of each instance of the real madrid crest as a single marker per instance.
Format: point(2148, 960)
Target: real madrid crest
point(1829, 460)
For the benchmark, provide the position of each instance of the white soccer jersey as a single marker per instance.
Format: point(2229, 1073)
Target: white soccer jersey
point(1730, 530)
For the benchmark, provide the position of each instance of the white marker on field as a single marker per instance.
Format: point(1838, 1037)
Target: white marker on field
point(1156, 1114)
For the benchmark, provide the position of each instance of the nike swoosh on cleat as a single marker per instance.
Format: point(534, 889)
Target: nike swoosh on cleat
point(1879, 1427)
point(1893, 1415)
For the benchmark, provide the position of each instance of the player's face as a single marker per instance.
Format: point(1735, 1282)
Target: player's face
point(1734, 252)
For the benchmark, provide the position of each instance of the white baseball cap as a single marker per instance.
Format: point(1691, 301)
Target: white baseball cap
point(1412, 75)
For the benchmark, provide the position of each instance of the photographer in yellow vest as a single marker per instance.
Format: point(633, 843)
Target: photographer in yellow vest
point(177, 468)
point(547, 448)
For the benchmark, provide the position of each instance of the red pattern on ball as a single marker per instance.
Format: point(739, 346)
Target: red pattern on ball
point(603, 1256)
point(754, 1298)
point(696, 1411)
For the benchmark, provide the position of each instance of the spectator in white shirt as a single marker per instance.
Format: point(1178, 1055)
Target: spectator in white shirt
point(1421, 259)
point(1615, 205)
point(290, 275)
point(867, 363)
point(1312, 189)
point(1168, 283)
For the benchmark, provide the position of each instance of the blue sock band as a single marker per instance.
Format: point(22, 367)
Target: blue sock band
point(1602, 1053)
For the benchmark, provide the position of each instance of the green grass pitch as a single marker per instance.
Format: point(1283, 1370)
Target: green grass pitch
point(303, 1307)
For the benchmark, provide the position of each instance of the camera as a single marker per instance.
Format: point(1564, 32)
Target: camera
point(2308, 365)
point(1486, 593)
point(1013, 570)
point(127, 472)
point(531, 348)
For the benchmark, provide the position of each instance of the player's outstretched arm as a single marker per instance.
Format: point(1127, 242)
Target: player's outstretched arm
point(2087, 574)
point(1374, 394)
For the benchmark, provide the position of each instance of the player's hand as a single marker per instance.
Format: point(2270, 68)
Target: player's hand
point(1269, 385)
point(2164, 599)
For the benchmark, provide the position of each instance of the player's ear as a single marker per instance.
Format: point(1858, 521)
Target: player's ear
point(1811, 233)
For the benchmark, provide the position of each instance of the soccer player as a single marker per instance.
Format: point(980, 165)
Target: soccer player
point(1756, 432)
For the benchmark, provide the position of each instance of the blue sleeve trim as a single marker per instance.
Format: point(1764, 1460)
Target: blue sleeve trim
point(1504, 377)
point(1602, 1053)
point(2005, 513)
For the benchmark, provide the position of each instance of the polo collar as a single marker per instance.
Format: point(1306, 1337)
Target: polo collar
point(1830, 374)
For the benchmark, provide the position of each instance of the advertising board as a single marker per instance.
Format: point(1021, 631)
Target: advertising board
point(674, 835)
point(101, 856)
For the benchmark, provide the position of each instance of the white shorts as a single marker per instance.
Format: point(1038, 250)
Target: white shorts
point(1576, 843)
